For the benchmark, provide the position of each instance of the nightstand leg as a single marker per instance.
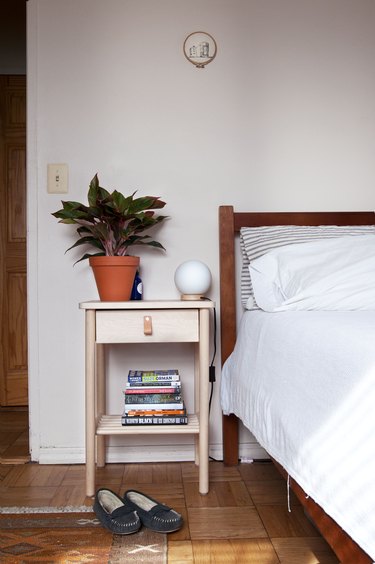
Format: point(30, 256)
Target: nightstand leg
point(90, 402)
point(100, 401)
point(203, 399)
point(196, 399)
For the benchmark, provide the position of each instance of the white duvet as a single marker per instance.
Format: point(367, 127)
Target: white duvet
point(304, 384)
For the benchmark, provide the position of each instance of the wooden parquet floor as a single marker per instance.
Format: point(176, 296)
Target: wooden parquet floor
point(242, 520)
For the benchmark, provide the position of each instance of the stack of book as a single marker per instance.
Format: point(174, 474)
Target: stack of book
point(154, 397)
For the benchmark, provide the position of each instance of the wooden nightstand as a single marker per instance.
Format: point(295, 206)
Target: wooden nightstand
point(144, 322)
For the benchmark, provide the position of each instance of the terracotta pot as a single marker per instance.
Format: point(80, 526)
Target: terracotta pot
point(114, 276)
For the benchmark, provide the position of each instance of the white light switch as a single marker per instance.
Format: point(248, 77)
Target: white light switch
point(57, 178)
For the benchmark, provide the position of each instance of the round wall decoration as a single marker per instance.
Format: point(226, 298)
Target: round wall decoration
point(200, 48)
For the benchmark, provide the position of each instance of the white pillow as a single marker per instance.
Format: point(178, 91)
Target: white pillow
point(330, 274)
point(256, 241)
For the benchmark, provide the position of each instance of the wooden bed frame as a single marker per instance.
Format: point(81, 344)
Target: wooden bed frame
point(230, 223)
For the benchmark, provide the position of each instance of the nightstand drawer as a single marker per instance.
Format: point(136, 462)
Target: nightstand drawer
point(147, 326)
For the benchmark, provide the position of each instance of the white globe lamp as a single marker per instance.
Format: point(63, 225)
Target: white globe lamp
point(192, 279)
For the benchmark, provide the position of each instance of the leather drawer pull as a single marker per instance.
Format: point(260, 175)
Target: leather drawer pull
point(147, 325)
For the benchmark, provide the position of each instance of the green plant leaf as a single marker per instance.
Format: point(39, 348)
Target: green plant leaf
point(87, 241)
point(112, 222)
point(92, 195)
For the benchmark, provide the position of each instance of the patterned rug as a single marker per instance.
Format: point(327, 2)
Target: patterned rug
point(71, 537)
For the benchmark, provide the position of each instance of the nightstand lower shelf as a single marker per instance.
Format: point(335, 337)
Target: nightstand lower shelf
point(111, 425)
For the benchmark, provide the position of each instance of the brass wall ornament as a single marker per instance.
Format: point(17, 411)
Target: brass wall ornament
point(200, 48)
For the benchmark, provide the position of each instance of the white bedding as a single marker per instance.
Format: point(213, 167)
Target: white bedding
point(304, 384)
point(335, 274)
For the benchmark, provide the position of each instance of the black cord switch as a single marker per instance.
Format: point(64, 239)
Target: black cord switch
point(211, 374)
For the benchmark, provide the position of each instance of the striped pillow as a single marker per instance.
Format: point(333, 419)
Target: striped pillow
point(256, 241)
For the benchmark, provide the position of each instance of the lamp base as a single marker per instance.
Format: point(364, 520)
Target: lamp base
point(191, 297)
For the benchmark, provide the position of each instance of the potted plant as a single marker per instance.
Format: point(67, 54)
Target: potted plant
point(112, 223)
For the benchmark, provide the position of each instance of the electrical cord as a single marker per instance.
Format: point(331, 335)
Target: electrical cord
point(212, 367)
point(211, 372)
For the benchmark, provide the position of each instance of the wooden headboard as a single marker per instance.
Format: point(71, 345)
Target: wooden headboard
point(230, 223)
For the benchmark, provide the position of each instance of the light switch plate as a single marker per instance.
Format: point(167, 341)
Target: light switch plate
point(57, 178)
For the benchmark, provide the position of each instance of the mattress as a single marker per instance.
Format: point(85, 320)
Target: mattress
point(304, 384)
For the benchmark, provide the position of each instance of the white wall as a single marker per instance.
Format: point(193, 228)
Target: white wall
point(282, 119)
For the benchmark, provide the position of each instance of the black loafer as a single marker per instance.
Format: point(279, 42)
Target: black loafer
point(114, 514)
point(154, 515)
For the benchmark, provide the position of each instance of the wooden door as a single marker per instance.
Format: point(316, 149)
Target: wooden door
point(13, 323)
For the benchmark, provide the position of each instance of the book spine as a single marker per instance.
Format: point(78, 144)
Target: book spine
point(152, 412)
point(152, 406)
point(154, 420)
point(169, 372)
point(155, 384)
point(152, 398)
point(153, 390)
point(153, 378)
point(158, 371)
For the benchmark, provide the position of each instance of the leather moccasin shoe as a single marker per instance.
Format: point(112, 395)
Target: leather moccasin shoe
point(154, 515)
point(114, 515)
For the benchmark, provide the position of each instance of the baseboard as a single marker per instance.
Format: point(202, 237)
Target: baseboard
point(156, 453)
point(252, 451)
point(119, 454)
point(68, 455)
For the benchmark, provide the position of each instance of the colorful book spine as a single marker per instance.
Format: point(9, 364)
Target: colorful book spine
point(153, 375)
point(155, 420)
point(154, 378)
point(150, 412)
point(152, 398)
point(169, 372)
point(153, 406)
point(153, 390)
point(156, 384)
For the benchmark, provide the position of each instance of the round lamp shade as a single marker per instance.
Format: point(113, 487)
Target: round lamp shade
point(193, 279)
